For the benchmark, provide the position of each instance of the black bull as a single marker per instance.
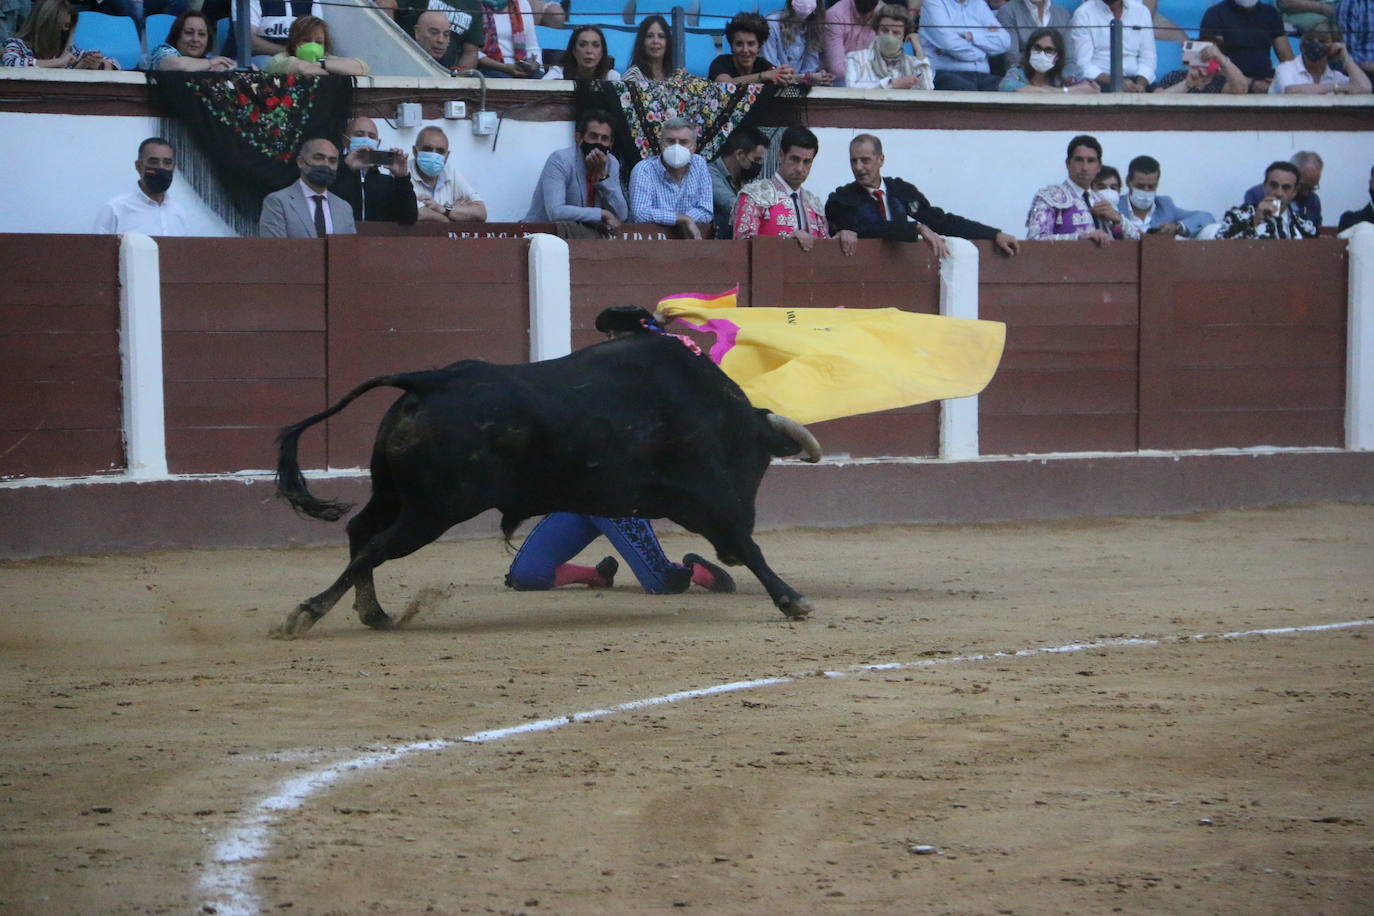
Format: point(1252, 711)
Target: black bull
point(635, 426)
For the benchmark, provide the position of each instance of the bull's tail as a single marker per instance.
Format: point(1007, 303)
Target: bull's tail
point(291, 484)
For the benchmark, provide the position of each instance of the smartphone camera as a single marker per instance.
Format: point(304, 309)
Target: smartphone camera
point(380, 157)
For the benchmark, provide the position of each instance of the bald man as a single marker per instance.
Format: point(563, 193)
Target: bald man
point(377, 191)
point(307, 209)
point(452, 36)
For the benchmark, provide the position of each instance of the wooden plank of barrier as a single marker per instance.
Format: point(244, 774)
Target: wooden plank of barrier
point(627, 232)
point(1235, 353)
point(398, 305)
point(244, 349)
point(1069, 374)
point(59, 310)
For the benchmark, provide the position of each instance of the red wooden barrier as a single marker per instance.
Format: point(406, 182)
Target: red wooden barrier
point(243, 349)
point(60, 400)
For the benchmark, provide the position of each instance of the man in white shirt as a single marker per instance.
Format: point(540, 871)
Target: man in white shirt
point(441, 191)
point(1090, 36)
point(1315, 71)
point(148, 209)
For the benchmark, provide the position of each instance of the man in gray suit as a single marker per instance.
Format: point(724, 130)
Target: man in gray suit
point(581, 184)
point(306, 209)
point(1020, 18)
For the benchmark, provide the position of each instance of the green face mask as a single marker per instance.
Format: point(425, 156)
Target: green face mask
point(311, 51)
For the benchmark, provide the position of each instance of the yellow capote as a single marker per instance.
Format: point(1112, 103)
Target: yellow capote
point(821, 364)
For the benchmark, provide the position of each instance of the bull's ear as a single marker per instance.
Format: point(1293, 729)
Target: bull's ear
point(623, 319)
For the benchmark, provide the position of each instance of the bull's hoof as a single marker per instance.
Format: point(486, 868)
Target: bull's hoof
point(798, 608)
point(378, 620)
point(297, 623)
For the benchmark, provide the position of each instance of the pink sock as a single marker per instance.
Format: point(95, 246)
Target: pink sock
point(702, 576)
point(571, 574)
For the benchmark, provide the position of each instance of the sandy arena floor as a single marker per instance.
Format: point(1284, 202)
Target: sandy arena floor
point(161, 755)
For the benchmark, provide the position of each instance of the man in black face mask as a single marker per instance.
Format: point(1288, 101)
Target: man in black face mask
point(307, 209)
point(580, 184)
point(148, 209)
point(739, 163)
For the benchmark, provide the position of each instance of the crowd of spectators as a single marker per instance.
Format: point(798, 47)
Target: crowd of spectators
point(982, 45)
point(352, 180)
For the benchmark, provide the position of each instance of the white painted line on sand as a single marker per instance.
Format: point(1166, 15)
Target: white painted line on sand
point(226, 883)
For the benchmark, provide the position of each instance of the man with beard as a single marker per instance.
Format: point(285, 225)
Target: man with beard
point(737, 165)
point(580, 184)
point(148, 208)
point(307, 209)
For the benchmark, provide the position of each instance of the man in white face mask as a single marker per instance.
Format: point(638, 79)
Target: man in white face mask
point(674, 187)
point(1151, 212)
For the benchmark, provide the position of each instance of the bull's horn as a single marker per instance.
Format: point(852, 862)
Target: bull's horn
point(798, 434)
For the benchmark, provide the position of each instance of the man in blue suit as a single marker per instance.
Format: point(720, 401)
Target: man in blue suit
point(1150, 211)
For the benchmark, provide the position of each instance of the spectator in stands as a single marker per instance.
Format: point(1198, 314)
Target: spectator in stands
point(848, 27)
point(796, 36)
point(1072, 209)
point(674, 187)
point(585, 58)
point(1021, 18)
point(652, 57)
point(962, 35)
point(44, 40)
point(1151, 212)
point(745, 34)
point(270, 22)
point(1365, 215)
point(385, 197)
point(874, 207)
point(1250, 30)
point(442, 194)
point(1091, 41)
point(581, 184)
point(737, 165)
point(510, 46)
point(149, 208)
point(12, 15)
point(465, 21)
point(1305, 200)
point(1303, 14)
point(452, 47)
point(1108, 180)
point(307, 53)
point(188, 43)
point(1356, 19)
point(883, 64)
point(1315, 72)
point(307, 209)
point(779, 205)
point(1214, 72)
point(1273, 217)
point(1042, 67)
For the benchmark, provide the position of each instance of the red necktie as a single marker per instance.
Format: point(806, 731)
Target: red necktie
point(882, 205)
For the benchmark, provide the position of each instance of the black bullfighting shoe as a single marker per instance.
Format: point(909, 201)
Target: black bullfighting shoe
point(607, 569)
point(707, 574)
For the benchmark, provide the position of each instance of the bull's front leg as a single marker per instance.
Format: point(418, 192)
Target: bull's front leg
point(788, 600)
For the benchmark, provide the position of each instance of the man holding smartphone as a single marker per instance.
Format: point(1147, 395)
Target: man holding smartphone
point(375, 195)
point(1274, 217)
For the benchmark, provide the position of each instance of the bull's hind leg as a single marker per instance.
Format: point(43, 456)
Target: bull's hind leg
point(407, 534)
point(379, 514)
